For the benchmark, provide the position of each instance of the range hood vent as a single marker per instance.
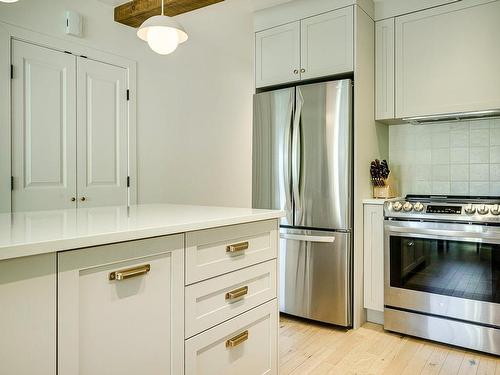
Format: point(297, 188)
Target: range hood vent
point(451, 117)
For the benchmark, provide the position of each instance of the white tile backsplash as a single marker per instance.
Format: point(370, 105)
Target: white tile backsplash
point(479, 155)
point(448, 158)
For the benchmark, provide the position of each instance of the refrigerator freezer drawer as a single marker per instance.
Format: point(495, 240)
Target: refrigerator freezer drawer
point(315, 276)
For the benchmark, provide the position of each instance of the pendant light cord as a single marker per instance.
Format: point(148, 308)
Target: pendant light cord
point(162, 6)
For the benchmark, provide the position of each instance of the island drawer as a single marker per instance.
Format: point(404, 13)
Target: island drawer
point(217, 251)
point(245, 345)
point(214, 301)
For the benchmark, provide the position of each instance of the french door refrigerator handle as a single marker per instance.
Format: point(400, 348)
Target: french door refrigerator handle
point(287, 166)
point(307, 238)
point(296, 154)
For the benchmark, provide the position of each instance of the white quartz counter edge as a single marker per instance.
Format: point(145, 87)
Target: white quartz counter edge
point(20, 237)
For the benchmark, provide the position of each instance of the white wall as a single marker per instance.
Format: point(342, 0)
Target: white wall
point(460, 158)
point(194, 106)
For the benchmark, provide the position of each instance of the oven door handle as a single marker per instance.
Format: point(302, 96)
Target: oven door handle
point(474, 236)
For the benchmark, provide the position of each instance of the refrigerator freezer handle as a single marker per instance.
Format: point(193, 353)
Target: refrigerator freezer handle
point(296, 157)
point(303, 237)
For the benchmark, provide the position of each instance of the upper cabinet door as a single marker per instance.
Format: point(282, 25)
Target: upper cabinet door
point(384, 69)
point(43, 128)
point(327, 44)
point(447, 60)
point(277, 55)
point(102, 134)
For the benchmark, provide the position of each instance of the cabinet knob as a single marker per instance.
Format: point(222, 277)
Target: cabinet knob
point(302, 70)
point(296, 71)
point(83, 199)
point(73, 199)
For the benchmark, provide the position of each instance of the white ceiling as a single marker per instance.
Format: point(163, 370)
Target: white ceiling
point(256, 4)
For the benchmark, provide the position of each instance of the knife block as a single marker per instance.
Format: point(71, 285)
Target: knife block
point(387, 191)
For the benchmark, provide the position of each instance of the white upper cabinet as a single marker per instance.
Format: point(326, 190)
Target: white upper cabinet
point(314, 47)
point(277, 55)
point(43, 128)
point(447, 59)
point(327, 44)
point(384, 69)
point(102, 134)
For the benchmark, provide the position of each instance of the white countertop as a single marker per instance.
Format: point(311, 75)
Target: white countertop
point(39, 232)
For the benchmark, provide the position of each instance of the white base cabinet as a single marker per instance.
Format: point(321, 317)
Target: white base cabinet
point(201, 302)
point(245, 345)
point(120, 308)
point(28, 315)
point(373, 253)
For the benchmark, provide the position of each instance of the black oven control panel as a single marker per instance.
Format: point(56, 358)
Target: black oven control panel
point(449, 210)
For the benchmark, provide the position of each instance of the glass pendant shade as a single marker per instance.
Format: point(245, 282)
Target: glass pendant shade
point(162, 33)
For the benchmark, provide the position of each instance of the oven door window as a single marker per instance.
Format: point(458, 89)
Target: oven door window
point(452, 268)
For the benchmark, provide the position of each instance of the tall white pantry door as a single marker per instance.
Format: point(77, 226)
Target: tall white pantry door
point(69, 130)
point(43, 128)
point(102, 141)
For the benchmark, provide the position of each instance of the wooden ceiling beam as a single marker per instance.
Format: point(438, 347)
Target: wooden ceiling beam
point(135, 12)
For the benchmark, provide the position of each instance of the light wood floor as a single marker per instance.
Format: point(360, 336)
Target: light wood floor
point(311, 348)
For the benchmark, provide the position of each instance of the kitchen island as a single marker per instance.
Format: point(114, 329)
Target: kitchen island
point(148, 289)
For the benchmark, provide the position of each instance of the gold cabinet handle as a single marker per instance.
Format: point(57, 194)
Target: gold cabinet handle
point(237, 293)
point(129, 273)
point(237, 247)
point(237, 340)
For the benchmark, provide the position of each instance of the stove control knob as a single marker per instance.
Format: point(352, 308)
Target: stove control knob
point(419, 207)
point(397, 206)
point(495, 210)
point(470, 209)
point(483, 210)
point(407, 206)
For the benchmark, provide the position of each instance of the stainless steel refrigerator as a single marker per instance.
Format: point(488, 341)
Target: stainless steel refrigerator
point(302, 163)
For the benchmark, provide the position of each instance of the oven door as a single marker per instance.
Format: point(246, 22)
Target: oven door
point(443, 269)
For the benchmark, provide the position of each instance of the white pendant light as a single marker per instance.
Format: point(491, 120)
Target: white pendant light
point(8, 1)
point(162, 33)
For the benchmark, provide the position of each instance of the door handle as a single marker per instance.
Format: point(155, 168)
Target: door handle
point(237, 340)
point(236, 248)
point(237, 293)
point(296, 155)
point(303, 237)
point(129, 273)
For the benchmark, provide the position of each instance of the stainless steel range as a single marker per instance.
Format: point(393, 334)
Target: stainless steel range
point(442, 269)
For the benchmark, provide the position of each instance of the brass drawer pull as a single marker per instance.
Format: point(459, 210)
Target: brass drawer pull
point(237, 340)
point(237, 293)
point(129, 273)
point(237, 247)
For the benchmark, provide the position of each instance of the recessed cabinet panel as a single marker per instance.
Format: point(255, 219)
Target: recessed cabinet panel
point(373, 253)
point(213, 301)
point(245, 345)
point(447, 60)
point(43, 128)
point(278, 55)
point(327, 44)
point(102, 134)
point(213, 252)
point(121, 308)
point(28, 315)
point(384, 69)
